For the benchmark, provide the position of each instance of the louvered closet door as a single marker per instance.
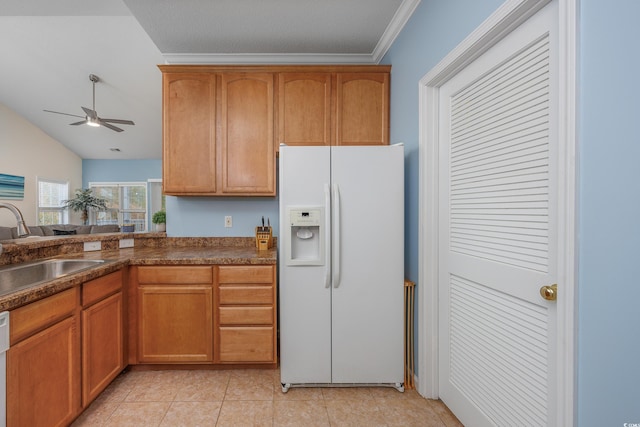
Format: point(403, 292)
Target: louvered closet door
point(498, 231)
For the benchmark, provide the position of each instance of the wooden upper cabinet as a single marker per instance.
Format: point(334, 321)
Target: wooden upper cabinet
point(189, 133)
point(247, 134)
point(223, 124)
point(362, 109)
point(304, 108)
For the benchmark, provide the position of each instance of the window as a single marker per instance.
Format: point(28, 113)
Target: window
point(50, 196)
point(126, 204)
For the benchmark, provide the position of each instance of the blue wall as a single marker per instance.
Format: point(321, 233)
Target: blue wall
point(120, 171)
point(204, 216)
point(609, 230)
point(435, 28)
point(189, 216)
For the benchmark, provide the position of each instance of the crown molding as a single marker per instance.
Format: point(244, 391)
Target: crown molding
point(394, 28)
point(266, 58)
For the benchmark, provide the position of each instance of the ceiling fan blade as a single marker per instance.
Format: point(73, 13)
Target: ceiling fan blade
point(65, 114)
point(90, 113)
point(78, 123)
point(107, 125)
point(120, 121)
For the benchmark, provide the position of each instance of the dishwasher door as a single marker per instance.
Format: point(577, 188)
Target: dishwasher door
point(4, 346)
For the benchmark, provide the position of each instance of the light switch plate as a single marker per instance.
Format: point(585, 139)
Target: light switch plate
point(126, 243)
point(92, 246)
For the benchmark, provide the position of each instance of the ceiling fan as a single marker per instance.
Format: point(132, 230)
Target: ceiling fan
point(92, 118)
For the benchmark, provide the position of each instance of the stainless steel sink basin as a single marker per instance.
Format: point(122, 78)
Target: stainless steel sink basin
point(20, 276)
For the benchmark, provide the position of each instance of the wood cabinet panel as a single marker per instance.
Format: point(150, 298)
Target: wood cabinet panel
point(304, 108)
point(97, 289)
point(43, 377)
point(189, 133)
point(362, 109)
point(246, 274)
point(175, 274)
point(219, 135)
point(239, 295)
point(38, 315)
point(246, 315)
point(175, 323)
point(247, 344)
point(246, 134)
point(102, 345)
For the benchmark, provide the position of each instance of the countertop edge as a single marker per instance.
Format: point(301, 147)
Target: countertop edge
point(120, 258)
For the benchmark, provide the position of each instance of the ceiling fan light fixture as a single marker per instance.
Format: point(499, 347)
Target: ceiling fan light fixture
point(91, 117)
point(93, 122)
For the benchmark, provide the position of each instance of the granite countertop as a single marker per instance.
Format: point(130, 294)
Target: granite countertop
point(158, 251)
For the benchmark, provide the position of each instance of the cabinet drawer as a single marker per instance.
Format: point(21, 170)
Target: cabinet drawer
point(243, 295)
point(245, 274)
point(246, 344)
point(95, 290)
point(38, 315)
point(175, 274)
point(246, 315)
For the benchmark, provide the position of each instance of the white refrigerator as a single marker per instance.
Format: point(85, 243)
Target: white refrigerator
point(341, 265)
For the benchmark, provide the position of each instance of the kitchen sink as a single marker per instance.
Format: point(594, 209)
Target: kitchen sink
point(20, 276)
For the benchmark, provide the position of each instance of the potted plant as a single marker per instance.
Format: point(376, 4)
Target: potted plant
point(83, 201)
point(160, 220)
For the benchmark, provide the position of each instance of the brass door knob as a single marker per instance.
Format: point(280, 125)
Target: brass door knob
point(550, 293)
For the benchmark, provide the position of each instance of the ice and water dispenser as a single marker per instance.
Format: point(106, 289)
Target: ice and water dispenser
point(307, 235)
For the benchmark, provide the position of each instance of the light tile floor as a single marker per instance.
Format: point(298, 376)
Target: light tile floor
point(253, 398)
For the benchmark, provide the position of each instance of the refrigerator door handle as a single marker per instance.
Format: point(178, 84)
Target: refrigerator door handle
point(336, 240)
point(327, 235)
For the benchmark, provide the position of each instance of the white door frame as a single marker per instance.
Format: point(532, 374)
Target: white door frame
point(509, 16)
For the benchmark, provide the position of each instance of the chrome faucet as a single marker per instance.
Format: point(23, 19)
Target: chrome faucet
point(23, 230)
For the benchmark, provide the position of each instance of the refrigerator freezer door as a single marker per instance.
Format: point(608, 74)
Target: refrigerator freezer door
point(305, 301)
point(367, 306)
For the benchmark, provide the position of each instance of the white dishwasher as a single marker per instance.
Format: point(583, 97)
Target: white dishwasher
point(4, 346)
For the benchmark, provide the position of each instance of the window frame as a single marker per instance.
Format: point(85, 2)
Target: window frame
point(64, 212)
point(120, 213)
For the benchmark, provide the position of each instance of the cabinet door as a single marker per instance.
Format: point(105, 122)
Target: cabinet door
point(189, 133)
point(175, 323)
point(362, 109)
point(102, 346)
point(247, 147)
point(304, 108)
point(43, 377)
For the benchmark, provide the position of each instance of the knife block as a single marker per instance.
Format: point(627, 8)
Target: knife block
point(264, 238)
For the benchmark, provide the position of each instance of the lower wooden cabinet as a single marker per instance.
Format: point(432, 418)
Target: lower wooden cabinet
point(203, 314)
point(102, 334)
point(43, 363)
point(175, 314)
point(65, 350)
point(246, 315)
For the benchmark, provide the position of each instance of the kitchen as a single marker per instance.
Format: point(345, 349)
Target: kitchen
point(434, 30)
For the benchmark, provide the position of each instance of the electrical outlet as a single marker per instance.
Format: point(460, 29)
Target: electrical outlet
point(92, 246)
point(228, 221)
point(126, 243)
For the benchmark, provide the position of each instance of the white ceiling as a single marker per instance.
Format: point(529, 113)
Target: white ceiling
point(49, 48)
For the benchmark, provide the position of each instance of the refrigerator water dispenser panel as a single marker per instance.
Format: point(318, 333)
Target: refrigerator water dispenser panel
point(306, 235)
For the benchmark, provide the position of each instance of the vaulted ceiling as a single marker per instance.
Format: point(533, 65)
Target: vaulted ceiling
point(49, 48)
